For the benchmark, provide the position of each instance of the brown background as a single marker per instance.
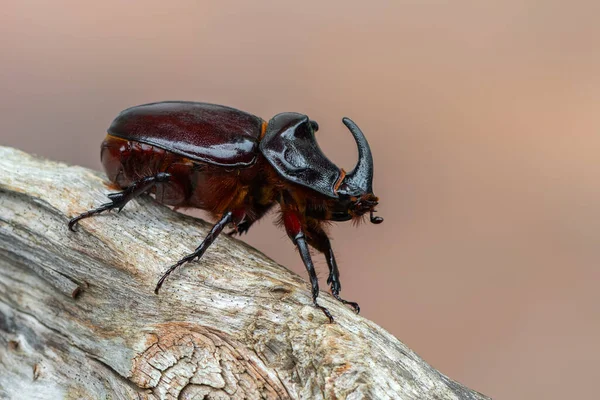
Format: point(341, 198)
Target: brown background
point(483, 119)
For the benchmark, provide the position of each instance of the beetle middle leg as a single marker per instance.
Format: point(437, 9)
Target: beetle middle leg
point(208, 240)
point(255, 213)
point(119, 199)
point(319, 240)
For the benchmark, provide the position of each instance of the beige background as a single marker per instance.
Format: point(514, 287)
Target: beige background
point(482, 116)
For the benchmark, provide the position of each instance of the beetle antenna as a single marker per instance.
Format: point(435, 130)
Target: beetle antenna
point(374, 219)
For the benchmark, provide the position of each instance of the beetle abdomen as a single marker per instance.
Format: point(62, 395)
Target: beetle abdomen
point(204, 132)
point(192, 184)
point(126, 162)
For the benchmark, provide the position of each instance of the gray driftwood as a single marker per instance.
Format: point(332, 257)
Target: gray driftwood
point(79, 319)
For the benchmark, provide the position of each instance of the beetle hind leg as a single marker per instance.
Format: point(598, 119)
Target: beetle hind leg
point(120, 199)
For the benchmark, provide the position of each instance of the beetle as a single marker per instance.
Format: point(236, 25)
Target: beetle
point(237, 167)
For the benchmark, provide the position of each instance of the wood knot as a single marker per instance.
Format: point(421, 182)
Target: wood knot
point(189, 362)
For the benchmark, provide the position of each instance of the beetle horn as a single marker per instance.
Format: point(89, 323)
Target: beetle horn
point(361, 176)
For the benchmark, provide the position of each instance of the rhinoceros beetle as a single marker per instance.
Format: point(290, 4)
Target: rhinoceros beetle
point(237, 167)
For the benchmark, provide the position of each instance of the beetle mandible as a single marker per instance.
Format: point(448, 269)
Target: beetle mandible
point(237, 167)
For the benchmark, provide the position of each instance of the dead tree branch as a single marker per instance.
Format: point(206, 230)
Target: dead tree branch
point(79, 318)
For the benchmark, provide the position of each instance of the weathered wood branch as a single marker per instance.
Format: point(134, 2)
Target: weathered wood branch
point(79, 319)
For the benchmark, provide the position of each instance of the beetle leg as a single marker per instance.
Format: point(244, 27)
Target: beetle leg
point(294, 230)
point(319, 240)
point(208, 240)
point(119, 199)
point(241, 228)
point(253, 214)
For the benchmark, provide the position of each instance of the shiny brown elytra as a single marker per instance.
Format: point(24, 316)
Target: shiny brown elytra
point(237, 167)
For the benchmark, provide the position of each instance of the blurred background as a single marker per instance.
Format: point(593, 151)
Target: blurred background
point(482, 117)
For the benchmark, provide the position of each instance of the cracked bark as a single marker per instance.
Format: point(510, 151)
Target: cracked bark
point(79, 319)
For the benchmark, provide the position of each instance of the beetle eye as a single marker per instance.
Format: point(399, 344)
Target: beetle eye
point(314, 125)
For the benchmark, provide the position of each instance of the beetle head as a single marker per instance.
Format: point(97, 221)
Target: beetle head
point(354, 208)
point(290, 146)
point(357, 186)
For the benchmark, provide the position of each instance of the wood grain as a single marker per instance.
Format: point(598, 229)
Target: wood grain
point(79, 319)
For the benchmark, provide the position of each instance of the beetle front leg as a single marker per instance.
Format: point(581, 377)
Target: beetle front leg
point(293, 227)
point(119, 199)
point(320, 241)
